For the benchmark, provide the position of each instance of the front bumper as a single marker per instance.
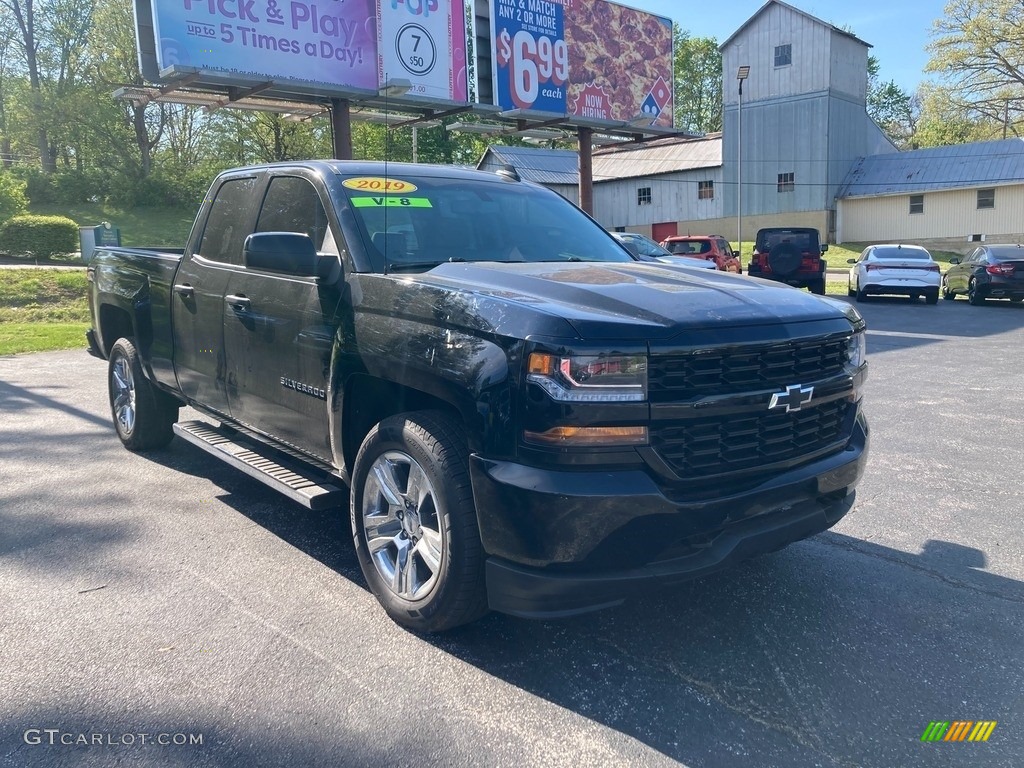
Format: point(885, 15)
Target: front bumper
point(561, 543)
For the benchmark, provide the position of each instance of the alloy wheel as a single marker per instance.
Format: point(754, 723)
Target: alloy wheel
point(402, 525)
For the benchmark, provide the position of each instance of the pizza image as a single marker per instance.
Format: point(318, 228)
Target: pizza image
point(620, 62)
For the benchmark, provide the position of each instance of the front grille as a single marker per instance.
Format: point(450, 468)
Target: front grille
point(681, 377)
point(696, 448)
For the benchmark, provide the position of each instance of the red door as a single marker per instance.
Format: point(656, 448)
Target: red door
point(666, 229)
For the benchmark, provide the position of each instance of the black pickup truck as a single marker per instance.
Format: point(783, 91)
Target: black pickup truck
point(519, 414)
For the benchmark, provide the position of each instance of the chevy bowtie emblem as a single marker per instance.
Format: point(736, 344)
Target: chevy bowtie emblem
point(794, 398)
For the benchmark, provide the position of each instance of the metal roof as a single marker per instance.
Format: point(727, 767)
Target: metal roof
point(659, 156)
point(979, 164)
point(650, 158)
point(761, 10)
point(539, 164)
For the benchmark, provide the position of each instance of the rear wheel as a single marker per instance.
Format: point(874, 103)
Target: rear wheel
point(414, 522)
point(974, 293)
point(862, 295)
point(947, 294)
point(143, 415)
point(932, 297)
point(818, 287)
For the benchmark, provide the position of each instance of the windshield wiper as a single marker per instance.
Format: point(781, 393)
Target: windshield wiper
point(404, 266)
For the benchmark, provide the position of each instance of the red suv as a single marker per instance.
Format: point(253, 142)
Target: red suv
point(711, 247)
point(791, 255)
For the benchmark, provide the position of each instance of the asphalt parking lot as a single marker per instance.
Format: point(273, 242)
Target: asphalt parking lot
point(167, 596)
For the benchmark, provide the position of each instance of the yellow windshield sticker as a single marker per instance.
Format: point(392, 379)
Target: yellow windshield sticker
point(378, 184)
point(391, 202)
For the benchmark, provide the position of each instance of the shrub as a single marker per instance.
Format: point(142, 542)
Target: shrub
point(38, 237)
point(12, 197)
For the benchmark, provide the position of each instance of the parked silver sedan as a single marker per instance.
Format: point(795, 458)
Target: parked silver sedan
point(902, 270)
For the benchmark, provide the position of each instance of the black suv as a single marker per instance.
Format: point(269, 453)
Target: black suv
point(791, 255)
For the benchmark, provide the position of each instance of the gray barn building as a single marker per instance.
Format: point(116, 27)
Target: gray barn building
point(804, 118)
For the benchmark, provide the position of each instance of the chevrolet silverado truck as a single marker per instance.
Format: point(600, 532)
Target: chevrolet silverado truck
point(518, 415)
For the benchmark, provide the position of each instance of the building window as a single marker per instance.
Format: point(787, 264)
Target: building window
point(917, 203)
point(787, 182)
point(643, 196)
point(986, 198)
point(783, 55)
point(706, 190)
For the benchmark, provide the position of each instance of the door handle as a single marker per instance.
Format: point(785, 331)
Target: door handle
point(238, 302)
point(185, 290)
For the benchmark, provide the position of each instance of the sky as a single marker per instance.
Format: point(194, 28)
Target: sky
point(897, 31)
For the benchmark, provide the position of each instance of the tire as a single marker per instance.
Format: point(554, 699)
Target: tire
point(143, 415)
point(974, 295)
point(862, 295)
point(817, 287)
point(849, 289)
point(414, 522)
point(947, 294)
point(784, 260)
point(932, 297)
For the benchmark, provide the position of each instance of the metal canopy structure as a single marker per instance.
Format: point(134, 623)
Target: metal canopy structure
point(218, 56)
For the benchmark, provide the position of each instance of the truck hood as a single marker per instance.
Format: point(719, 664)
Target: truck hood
point(635, 300)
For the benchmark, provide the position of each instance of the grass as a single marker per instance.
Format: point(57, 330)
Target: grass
point(140, 227)
point(42, 309)
point(40, 337)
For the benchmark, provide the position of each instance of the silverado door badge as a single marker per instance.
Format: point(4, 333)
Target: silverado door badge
point(794, 398)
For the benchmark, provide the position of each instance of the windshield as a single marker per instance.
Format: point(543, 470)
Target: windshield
point(685, 247)
point(435, 220)
point(1013, 253)
point(802, 241)
point(901, 253)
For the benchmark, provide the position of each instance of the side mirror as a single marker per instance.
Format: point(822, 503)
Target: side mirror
point(287, 253)
point(851, 261)
point(824, 247)
point(955, 260)
point(736, 254)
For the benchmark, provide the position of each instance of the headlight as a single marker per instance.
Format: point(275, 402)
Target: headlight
point(590, 378)
point(856, 349)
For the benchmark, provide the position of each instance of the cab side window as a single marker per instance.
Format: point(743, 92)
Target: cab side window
point(293, 205)
point(226, 224)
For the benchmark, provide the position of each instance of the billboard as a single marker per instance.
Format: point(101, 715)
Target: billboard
point(589, 59)
point(337, 47)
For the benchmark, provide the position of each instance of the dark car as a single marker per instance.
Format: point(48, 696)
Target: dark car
point(989, 272)
point(791, 255)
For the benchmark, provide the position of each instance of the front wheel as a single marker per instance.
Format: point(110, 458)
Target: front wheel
point(143, 415)
point(414, 522)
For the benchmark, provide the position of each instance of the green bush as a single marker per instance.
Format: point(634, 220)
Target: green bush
point(38, 237)
point(12, 196)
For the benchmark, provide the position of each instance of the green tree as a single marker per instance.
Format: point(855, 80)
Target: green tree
point(697, 76)
point(893, 109)
point(977, 50)
point(944, 121)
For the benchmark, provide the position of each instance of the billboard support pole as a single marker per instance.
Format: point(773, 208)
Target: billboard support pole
point(584, 136)
point(341, 129)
